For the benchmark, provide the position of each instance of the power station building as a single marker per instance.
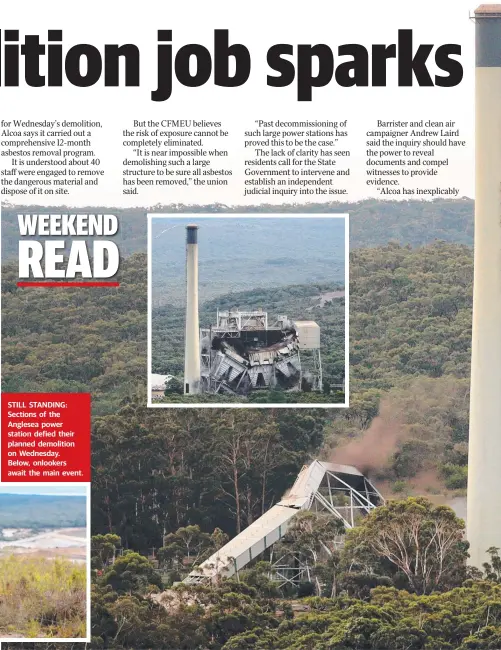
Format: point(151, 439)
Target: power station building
point(245, 350)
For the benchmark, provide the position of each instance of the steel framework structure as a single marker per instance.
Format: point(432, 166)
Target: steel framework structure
point(340, 490)
point(311, 368)
point(243, 352)
point(290, 568)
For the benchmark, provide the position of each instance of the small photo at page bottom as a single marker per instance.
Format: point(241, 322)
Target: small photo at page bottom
point(45, 517)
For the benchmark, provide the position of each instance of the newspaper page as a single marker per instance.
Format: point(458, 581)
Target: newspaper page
point(251, 317)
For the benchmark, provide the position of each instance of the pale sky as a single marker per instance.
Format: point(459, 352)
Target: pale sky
point(257, 25)
point(53, 490)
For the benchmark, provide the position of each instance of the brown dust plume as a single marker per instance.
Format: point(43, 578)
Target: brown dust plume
point(373, 449)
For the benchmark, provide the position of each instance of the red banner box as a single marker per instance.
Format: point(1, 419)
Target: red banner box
point(45, 437)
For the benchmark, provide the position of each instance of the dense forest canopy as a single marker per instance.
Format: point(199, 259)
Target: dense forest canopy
point(298, 302)
point(359, 611)
point(372, 222)
point(410, 312)
point(75, 340)
point(163, 477)
point(410, 315)
point(410, 338)
point(156, 470)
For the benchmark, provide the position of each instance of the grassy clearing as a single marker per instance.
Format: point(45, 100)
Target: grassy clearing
point(42, 598)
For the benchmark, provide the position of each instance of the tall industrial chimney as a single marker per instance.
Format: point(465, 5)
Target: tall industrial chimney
point(192, 333)
point(484, 464)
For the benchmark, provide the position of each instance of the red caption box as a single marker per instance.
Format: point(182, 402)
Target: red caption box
point(45, 437)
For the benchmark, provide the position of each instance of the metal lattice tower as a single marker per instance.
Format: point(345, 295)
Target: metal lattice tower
point(245, 351)
point(340, 490)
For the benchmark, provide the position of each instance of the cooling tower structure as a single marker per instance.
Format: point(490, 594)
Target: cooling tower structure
point(484, 471)
point(192, 328)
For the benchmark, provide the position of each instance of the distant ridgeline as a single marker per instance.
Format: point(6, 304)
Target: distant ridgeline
point(302, 301)
point(37, 511)
point(372, 222)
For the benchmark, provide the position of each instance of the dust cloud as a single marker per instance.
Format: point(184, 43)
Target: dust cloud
point(374, 448)
point(426, 481)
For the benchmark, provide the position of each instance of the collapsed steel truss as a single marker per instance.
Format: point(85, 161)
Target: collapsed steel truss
point(338, 495)
point(290, 569)
point(344, 495)
point(244, 351)
point(340, 490)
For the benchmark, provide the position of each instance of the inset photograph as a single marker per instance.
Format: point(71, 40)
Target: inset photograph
point(248, 310)
point(44, 562)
